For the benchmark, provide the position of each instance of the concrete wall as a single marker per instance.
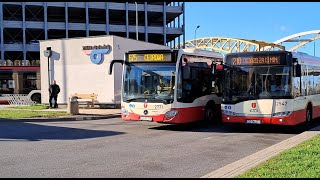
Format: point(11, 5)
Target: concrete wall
point(75, 73)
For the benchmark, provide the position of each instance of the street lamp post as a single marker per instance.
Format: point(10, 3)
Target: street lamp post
point(195, 35)
point(48, 53)
point(136, 20)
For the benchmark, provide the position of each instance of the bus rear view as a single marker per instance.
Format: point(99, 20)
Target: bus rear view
point(270, 87)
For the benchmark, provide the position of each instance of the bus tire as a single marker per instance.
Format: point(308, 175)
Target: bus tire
point(209, 115)
point(36, 97)
point(308, 115)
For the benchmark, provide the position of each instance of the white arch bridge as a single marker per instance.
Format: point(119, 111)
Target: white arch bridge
point(229, 45)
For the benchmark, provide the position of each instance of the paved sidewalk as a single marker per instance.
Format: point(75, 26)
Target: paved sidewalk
point(89, 111)
point(84, 114)
point(238, 167)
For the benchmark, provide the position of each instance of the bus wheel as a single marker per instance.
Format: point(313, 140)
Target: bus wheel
point(209, 113)
point(36, 97)
point(308, 116)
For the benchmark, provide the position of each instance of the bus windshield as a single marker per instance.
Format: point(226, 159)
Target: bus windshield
point(249, 83)
point(151, 82)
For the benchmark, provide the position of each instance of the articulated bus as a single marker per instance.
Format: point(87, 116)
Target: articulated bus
point(271, 87)
point(171, 86)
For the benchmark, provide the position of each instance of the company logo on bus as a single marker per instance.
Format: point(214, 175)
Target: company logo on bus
point(253, 105)
point(96, 52)
point(145, 105)
point(145, 112)
point(132, 106)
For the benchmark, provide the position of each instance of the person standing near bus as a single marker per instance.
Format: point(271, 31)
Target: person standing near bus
point(54, 90)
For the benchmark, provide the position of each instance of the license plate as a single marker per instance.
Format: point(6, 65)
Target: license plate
point(146, 118)
point(253, 122)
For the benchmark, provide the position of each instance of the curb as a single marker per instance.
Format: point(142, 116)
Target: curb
point(238, 167)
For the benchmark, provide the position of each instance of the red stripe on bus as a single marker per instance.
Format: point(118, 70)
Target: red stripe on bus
point(185, 115)
point(20, 68)
point(136, 117)
point(293, 119)
point(4, 102)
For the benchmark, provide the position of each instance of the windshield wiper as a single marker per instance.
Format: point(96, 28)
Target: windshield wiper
point(133, 99)
point(167, 101)
point(164, 101)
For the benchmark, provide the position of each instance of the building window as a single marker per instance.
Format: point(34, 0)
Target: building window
point(6, 83)
point(29, 82)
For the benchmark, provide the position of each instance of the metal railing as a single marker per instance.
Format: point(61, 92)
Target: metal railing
point(19, 99)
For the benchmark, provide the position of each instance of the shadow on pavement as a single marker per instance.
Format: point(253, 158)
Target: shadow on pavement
point(239, 128)
point(70, 118)
point(16, 130)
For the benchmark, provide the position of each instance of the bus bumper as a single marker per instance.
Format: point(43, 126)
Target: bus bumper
point(285, 120)
point(184, 115)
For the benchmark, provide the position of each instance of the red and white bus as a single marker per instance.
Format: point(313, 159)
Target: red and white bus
point(271, 87)
point(171, 86)
point(20, 80)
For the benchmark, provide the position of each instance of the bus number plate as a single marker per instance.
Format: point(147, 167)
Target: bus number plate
point(146, 118)
point(253, 122)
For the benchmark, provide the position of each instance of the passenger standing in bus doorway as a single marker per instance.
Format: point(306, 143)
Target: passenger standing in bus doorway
point(54, 91)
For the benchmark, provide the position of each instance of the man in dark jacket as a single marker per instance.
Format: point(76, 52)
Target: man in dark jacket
point(54, 91)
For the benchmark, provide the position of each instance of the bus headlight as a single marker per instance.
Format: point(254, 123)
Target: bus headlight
point(124, 111)
point(170, 114)
point(280, 114)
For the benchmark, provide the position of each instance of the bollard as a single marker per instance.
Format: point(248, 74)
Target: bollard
point(73, 106)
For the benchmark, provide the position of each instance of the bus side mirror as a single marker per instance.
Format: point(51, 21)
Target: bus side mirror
point(112, 62)
point(298, 70)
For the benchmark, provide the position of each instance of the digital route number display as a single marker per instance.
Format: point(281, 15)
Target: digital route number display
point(256, 59)
point(150, 57)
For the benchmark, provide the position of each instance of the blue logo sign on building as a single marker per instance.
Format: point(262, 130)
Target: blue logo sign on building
point(96, 52)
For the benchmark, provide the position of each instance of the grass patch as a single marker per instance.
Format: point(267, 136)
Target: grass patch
point(14, 114)
point(32, 107)
point(301, 161)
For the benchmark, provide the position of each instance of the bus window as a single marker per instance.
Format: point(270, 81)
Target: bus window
point(197, 78)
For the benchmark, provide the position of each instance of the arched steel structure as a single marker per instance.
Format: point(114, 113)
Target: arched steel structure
point(230, 45)
point(297, 38)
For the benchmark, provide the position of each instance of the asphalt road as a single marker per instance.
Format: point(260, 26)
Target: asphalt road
point(126, 149)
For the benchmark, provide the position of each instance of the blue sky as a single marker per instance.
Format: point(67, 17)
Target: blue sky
point(266, 21)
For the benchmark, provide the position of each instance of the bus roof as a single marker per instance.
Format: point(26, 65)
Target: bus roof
point(304, 58)
point(200, 52)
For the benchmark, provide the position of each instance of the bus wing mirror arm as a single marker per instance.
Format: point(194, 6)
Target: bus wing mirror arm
point(115, 61)
point(213, 67)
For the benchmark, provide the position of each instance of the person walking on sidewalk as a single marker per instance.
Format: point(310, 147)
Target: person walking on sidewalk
point(54, 91)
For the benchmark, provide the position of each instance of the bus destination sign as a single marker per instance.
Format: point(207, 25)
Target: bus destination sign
point(150, 57)
point(256, 59)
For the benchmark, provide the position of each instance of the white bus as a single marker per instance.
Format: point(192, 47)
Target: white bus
point(171, 86)
point(271, 87)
